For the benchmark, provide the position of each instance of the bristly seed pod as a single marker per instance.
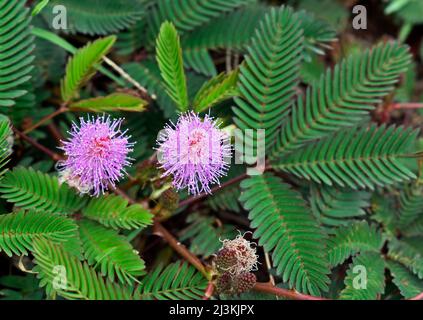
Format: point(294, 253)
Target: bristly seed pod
point(228, 283)
point(224, 283)
point(226, 259)
point(244, 282)
point(236, 256)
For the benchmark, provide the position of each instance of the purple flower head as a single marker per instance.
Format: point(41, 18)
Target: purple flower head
point(97, 153)
point(195, 152)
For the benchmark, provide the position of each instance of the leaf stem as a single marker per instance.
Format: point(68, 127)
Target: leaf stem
point(194, 199)
point(55, 156)
point(48, 117)
point(180, 248)
point(409, 105)
point(266, 288)
point(209, 291)
point(126, 76)
point(417, 297)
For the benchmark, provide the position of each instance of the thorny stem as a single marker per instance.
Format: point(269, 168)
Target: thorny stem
point(55, 156)
point(180, 248)
point(266, 288)
point(410, 105)
point(203, 195)
point(48, 117)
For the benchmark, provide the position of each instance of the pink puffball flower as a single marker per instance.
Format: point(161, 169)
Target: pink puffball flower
point(195, 152)
point(96, 155)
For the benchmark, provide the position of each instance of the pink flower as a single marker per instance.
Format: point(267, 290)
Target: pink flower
point(195, 152)
point(97, 153)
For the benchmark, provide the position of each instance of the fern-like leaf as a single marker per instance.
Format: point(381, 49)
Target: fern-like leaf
point(408, 254)
point(270, 75)
point(344, 95)
point(5, 146)
point(356, 158)
point(30, 189)
point(97, 17)
point(411, 205)
point(205, 235)
point(18, 230)
point(335, 207)
point(285, 225)
point(82, 66)
point(147, 73)
point(16, 46)
point(352, 239)
point(82, 282)
point(114, 211)
point(225, 199)
point(114, 255)
point(113, 102)
point(408, 283)
point(178, 281)
point(200, 11)
point(216, 90)
point(373, 265)
point(169, 58)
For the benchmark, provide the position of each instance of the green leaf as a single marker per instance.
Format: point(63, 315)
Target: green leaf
point(5, 144)
point(225, 199)
point(269, 76)
point(356, 158)
point(169, 58)
point(205, 236)
point(409, 284)
point(113, 211)
point(97, 17)
point(147, 73)
point(63, 274)
point(352, 239)
point(365, 278)
point(82, 66)
point(62, 43)
point(344, 96)
point(15, 50)
point(407, 253)
point(113, 255)
point(216, 90)
point(201, 12)
point(18, 230)
point(30, 189)
point(411, 205)
point(113, 102)
point(39, 7)
point(286, 226)
point(335, 207)
point(178, 281)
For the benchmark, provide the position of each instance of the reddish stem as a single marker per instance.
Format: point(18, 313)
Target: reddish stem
point(209, 291)
point(50, 116)
point(418, 297)
point(180, 248)
point(266, 288)
point(55, 156)
point(409, 105)
point(191, 200)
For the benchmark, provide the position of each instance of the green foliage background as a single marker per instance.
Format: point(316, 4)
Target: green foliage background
point(341, 109)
